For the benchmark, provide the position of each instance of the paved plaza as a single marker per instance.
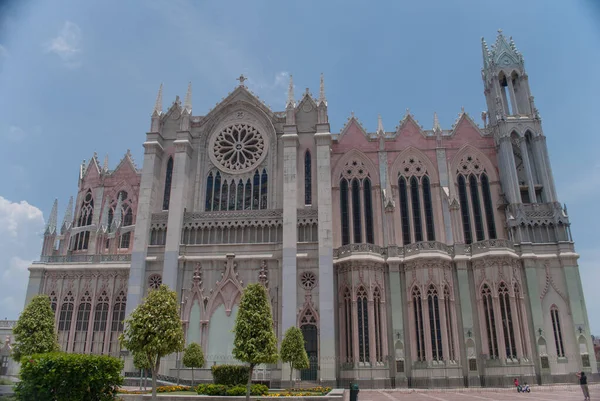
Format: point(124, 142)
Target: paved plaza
point(562, 393)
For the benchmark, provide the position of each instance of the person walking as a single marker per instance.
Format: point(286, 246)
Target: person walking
point(584, 386)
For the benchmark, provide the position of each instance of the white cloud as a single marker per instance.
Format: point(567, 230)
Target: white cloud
point(14, 134)
point(67, 45)
point(21, 228)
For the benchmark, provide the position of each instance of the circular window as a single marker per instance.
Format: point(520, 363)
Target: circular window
point(238, 148)
point(154, 281)
point(308, 280)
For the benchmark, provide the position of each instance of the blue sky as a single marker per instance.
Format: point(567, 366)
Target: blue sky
point(82, 76)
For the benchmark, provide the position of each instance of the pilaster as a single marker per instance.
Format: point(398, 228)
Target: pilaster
point(511, 186)
point(464, 307)
point(177, 203)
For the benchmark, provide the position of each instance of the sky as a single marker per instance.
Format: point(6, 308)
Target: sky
point(78, 77)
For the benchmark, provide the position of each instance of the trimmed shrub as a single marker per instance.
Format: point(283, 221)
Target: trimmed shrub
point(236, 391)
point(69, 377)
point(239, 390)
point(230, 375)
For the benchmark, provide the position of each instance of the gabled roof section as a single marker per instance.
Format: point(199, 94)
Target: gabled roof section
point(174, 109)
point(306, 98)
point(127, 160)
point(504, 54)
point(464, 119)
point(405, 124)
point(93, 164)
point(352, 120)
point(241, 93)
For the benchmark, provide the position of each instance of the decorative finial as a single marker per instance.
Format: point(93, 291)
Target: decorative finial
point(188, 99)
point(352, 114)
point(51, 226)
point(68, 214)
point(322, 91)
point(500, 31)
point(242, 78)
point(462, 109)
point(407, 111)
point(105, 165)
point(290, 100)
point(380, 130)
point(158, 104)
point(436, 123)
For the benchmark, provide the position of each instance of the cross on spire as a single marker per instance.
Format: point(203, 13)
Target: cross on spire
point(242, 78)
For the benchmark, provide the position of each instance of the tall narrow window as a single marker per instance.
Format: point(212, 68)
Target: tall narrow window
point(86, 216)
point(476, 208)
point(307, 179)
point(378, 312)
point(368, 211)
point(64, 321)
point(558, 338)
point(264, 182)
point(224, 195)
point(507, 322)
point(240, 196)
point(100, 321)
point(356, 223)
point(209, 192)
point(232, 195)
point(81, 325)
point(255, 191)
point(349, 328)
point(416, 209)
point(53, 301)
point(344, 211)
point(248, 195)
point(490, 323)
point(168, 178)
point(489, 209)
point(217, 192)
point(464, 209)
point(363, 325)
point(404, 211)
point(428, 208)
point(449, 326)
point(117, 324)
point(434, 323)
point(418, 321)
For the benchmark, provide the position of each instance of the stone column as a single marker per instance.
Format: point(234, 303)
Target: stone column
point(147, 198)
point(290, 234)
point(499, 327)
point(516, 327)
point(541, 155)
point(443, 327)
point(511, 187)
point(426, 328)
point(177, 205)
point(463, 301)
point(327, 334)
point(394, 310)
point(526, 162)
point(513, 98)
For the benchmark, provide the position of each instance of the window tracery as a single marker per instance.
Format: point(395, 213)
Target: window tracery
point(238, 148)
point(118, 318)
point(308, 280)
point(154, 281)
point(82, 323)
point(377, 318)
point(363, 325)
point(490, 323)
point(225, 193)
point(349, 344)
point(86, 213)
point(100, 324)
point(418, 324)
point(557, 330)
point(507, 321)
point(356, 202)
point(168, 181)
point(64, 321)
point(434, 323)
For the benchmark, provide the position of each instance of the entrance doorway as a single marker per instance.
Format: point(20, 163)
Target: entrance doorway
point(311, 345)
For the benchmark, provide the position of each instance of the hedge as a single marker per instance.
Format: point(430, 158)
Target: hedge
point(69, 377)
point(221, 389)
point(230, 375)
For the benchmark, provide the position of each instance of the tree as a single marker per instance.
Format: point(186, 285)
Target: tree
point(193, 357)
point(255, 340)
point(154, 329)
point(141, 362)
point(292, 350)
point(34, 332)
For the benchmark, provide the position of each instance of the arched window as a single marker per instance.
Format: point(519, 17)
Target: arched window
point(349, 328)
point(240, 196)
point(64, 321)
point(86, 216)
point(217, 192)
point(53, 301)
point(363, 325)
point(464, 209)
point(264, 182)
point(416, 209)
point(344, 211)
point(248, 195)
point(232, 195)
point(418, 322)
point(368, 211)
point(209, 192)
point(490, 323)
point(557, 329)
point(356, 223)
point(404, 211)
point(378, 313)
point(487, 202)
point(117, 323)
point(449, 325)
point(82, 323)
point(307, 179)
point(100, 322)
point(476, 208)
point(255, 190)
point(428, 208)
point(507, 321)
point(224, 195)
point(168, 178)
point(434, 323)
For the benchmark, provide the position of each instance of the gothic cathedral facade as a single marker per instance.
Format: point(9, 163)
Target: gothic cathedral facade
point(410, 257)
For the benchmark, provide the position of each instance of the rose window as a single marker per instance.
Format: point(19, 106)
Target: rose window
point(238, 148)
point(308, 280)
point(155, 281)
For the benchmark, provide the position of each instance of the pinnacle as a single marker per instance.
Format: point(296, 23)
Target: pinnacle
point(158, 104)
point(290, 100)
point(188, 99)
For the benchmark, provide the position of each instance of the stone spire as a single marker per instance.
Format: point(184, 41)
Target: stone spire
point(51, 226)
point(158, 105)
point(187, 105)
point(68, 219)
point(290, 100)
point(105, 165)
point(436, 124)
point(118, 214)
point(322, 98)
point(380, 130)
point(485, 51)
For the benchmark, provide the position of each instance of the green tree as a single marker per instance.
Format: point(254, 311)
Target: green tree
point(292, 350)
point(154, 329)
point(141, 362)
point(34, 332)
point(193, 357)
point(255, 340)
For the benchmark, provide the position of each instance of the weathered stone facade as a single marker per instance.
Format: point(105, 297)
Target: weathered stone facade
point(409, 257)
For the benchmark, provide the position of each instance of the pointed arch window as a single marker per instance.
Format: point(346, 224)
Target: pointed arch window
point(53, 301)
point(224, 195)
point(449, 325)
point(490, 323)
point(248, 195)
point(487, 203)
point(349, 329)
point(464, 209)
point(418, 323)
point(434, 323)
point(255, 190)
point(82, 324)
point(81, 240)
point(209, 192)
point(100, 323)
point(345, 213)
point(476, 208)
point(356, 222)
point(557, 329)
point(416, 209)
point(232, 195)
point(64, 321)
point(240, 196)
point(117, 323)
point(378, 312)
point(264, 182)
point(368, 211)
point(307, 179)
point(507, 321)
point(363, 325)
point(216, 203)
point(168, 179)
point(428, 208)
point(404, 211)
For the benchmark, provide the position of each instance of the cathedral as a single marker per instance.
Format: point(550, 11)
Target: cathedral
point(408, 258)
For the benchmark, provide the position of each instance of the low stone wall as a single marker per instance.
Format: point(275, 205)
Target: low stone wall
point(334, 395)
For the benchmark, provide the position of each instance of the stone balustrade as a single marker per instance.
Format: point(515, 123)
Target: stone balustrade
point(85, 258)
